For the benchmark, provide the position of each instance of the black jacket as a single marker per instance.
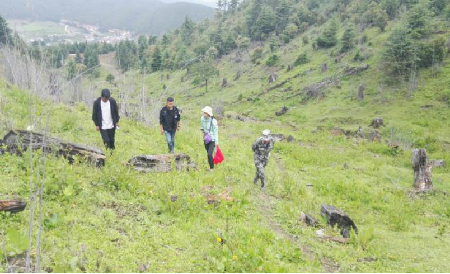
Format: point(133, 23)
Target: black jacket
point(169, 123)
point(97, 112)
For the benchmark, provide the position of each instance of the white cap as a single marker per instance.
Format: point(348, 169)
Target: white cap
point(208, 110)
point(266, 132)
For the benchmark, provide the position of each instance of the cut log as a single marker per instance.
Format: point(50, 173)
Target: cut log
point(12, 206)
point(339, 218)
point(422, 170)
point(278, 137)
point(162, 163)
point(308, 220)
point(377, 123)
point(224, 82)
point(283, 111)
point(18, 141)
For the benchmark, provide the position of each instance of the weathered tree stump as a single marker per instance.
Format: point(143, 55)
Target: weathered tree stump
point(290, 67)
point(162, 163)
point(1, 148)
point(337, 217)
point(308, 220)
point(13, 206)
point(224, 82)
point(290, 139)
point(273, 77)
point(361, 90)
point(168, 76)
point(182, 79)
point(283, 111)
point(375, 136)
point(238, 75)
point(18, 141)
point(422, 170)
point(323, 68)
point(377, 123)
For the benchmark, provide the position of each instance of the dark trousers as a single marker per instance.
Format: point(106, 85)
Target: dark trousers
point(210, 150)
point(108, 136)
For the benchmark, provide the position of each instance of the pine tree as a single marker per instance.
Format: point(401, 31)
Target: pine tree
point(328, 38)
point(5, 32)
point(157, 59)
point(347, 40)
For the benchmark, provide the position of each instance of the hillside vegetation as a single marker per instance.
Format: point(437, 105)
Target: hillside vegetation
point(117, 219)
point(139, 16)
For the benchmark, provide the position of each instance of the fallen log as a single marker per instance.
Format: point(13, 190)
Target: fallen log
point(283, 111)
point(438, 163)
point(12, 206)
point(422, 170)
point(18, 141)
point(162, 163)
point(336, 217)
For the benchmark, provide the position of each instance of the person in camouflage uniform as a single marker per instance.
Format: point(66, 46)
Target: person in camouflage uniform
point(261, 149)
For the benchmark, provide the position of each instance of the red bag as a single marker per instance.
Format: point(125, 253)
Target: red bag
point(218, 157)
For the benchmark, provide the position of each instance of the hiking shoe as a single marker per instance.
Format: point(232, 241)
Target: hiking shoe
point(263, 188)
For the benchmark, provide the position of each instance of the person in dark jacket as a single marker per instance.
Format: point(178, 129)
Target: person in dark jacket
point(106, 118)
point(169, 119)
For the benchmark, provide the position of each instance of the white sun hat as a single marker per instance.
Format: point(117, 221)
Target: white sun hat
point(266, 132)
point(208, 110)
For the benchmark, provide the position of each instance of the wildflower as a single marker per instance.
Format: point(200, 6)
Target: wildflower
point(234, 257)
point(219, 240)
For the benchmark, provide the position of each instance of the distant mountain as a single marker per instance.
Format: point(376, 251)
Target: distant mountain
point(139, 16)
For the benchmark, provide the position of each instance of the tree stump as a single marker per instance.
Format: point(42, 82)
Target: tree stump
point(238, 75)
point(375, 136)
point(361, 89)
point(323, 68)
point(162, 163)
point(290, 67)
point(336, 217)
point(273, 77)
point(377, 123)
point(168, 76)
point(224, 82)
point(422, 170)
point(182, 79)
point(18, 141)
point(283, 111)
point(12, 206)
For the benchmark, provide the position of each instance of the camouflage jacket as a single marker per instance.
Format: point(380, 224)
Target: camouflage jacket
point(261, 149)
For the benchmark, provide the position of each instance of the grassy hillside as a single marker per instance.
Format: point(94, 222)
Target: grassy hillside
point(116, 219)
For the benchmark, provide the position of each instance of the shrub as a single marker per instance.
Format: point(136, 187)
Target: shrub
point(257, 54)
point(272, 60)
point(301, 59)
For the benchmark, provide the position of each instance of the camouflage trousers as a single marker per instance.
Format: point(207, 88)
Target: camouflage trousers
point(260, 164)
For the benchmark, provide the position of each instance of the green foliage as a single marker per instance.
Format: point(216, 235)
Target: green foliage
point(400, 53)
point(256, 55)
point(205, 70)
point(432, 52)
point(272, 60)
point(376, 15)
point(418, 20)
point(328, 38)
point(347, 40)
point(110, 78)
point(301, 59)
point(5, 32)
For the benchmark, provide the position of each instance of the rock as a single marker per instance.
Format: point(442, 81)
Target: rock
point(283, 111)
point(18, 141)
point(308, 220)
point(377, 123)
point(174, 198)
point(12, 206)
point(320, 233)
point(434, 163)
point(337, 217)
point(422, 170)
point(162, 163)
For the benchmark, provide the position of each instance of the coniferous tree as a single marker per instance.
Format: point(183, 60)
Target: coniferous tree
point(347, 40)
